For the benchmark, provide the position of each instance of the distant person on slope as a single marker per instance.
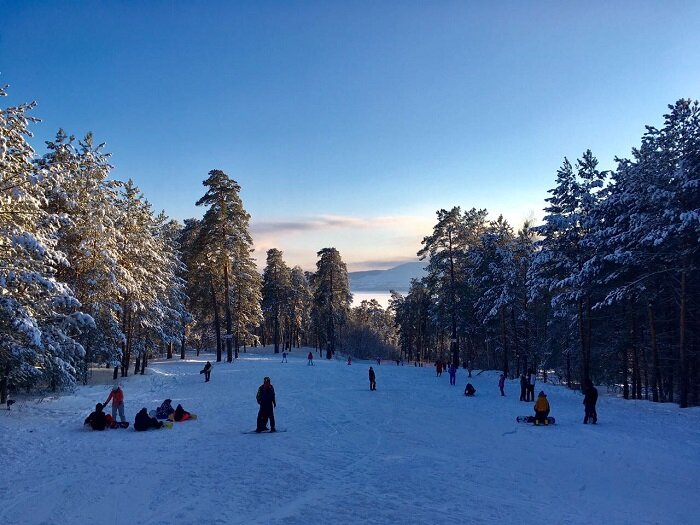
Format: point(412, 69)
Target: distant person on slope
point(284, 357)
point(266, 399)
point(469, 390)
point(372, 379)
point(206, 371)
point(311, 359)
point(97, 419)
point(589, 401)
point(117, 398)
point(453, 374)
point(523, 387)
point(438, 368)
point(531, 378)
point(541, 409)
point(502, 383)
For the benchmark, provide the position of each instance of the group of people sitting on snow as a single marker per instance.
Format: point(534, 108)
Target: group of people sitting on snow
point(98, 420)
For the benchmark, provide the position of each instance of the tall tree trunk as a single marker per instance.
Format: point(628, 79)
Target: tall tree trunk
point(170, 350)
point(276, 331)
point(227, 305)
point(4, 382)
point(217, 322)
point(682, 350)
point(657, 386)
point(182, 343)
point(504, 340)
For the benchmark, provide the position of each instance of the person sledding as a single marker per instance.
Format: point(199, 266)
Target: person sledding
point(145, 422)
point(116, 396)
point(266, 399)
point(206, 371)
point(180, 415)
point(541, 409)
point(165, 409)
point(469, 390)
point(97, 419)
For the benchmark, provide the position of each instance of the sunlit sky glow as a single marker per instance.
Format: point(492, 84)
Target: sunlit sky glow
point(349, 124)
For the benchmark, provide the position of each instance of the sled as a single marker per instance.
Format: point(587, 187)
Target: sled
point(119, 424)
point(531, 419)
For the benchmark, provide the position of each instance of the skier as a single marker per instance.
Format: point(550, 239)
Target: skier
point(469, 390)
point(165, 409)
point(266, 399)
point(453, 374)
point(117, 398)
point(311, 359)
point(206, 371)
point(589, 400)
point(144, 422)
point(502, 383)
point(541, 409)
point(97, 419)
point(372, 379)
point(284, 357)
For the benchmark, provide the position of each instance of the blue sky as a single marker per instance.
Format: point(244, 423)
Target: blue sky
point(349, 124)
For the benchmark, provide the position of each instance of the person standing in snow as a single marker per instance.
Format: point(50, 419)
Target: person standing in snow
point(589, 401)
point(311, 359)
point(372, 379)
point(531, 378)
point(502, 383)
point(284, 357)
point(453, 374)
point(117, 398)
point(206, 371)
point(438, 368)
point(541, 409)
point(266, 399)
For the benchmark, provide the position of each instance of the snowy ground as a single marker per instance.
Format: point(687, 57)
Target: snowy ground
point(414, 451)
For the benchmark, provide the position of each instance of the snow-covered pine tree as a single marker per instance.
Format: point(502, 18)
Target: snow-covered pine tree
point(38, 314)
point(332, 297)
point(225, 246)
point(276, 292)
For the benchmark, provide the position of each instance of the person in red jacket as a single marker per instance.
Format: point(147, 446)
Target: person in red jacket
point(117, 398)
point(311, 359)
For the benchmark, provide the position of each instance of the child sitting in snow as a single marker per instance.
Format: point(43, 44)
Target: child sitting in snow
point(180, 414)
point(97, 419)
point(469, 390)
point(165, 409)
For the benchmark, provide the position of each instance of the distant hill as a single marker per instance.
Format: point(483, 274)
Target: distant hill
point(397, 278)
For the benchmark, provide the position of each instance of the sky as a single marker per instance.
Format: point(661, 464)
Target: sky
point(349, 124)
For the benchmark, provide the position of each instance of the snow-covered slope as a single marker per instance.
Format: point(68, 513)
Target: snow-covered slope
point(397, 278)
point(414, 451)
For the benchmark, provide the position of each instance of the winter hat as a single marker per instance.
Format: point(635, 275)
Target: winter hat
point(115, 386)
point(541, 394)
point(98, 407)
point(266, 379)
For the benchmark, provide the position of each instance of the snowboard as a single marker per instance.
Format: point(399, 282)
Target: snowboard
point(119, 424)
point(171, 417)
point(264, 431)
point(531, 419)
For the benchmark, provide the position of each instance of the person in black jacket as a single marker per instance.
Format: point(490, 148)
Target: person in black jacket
point(206, 371)
point(97, 419)
point(266, 399)
point(372, 379)
point(145, 422)
point(590, 399)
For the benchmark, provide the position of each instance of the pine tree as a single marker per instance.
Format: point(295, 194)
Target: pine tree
point(276, 293)
point(332, 297)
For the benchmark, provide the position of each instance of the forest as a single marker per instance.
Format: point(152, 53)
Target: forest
point(605, 287)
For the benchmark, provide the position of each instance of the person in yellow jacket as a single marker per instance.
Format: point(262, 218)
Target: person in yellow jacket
point(541, 409)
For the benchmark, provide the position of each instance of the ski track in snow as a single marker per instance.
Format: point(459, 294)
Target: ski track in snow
point(416, 451)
